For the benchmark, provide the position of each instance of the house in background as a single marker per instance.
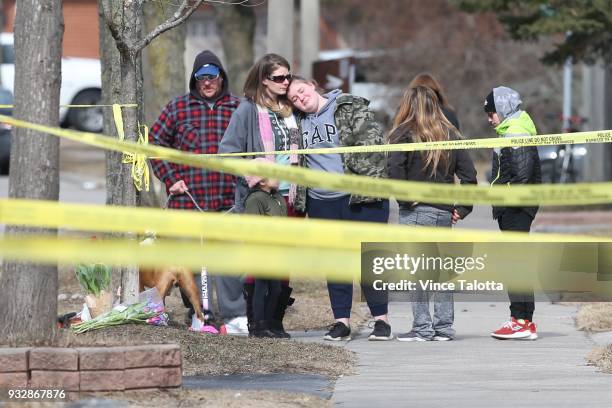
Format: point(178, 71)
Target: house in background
point(81, 73)
point(81, 33)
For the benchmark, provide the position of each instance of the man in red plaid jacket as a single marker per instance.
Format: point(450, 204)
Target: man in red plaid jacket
point(195, 122)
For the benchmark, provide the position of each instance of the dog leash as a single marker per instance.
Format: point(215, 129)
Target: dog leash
point(195, 203)
point(208, 316)
point(189, 195)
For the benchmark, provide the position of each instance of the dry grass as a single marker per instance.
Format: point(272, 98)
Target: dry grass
point(217, 355)
point(595, 317)
point(311, 310)
point(602, 358)
point(220, 355)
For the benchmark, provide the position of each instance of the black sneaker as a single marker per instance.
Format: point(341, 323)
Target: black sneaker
point(381, 332)
point(277, 328)
point(261, 330)
point(339, 331)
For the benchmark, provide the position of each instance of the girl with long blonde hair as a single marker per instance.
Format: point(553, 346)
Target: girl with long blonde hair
point(419, 118)
point(429, 81)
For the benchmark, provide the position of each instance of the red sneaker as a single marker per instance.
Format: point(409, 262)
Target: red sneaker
point(512, 329)
point(532, 329)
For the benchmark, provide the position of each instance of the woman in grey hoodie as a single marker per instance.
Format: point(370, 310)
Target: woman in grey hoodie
point(332, 120)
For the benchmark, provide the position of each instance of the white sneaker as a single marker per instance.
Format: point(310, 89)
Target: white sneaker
point(237, 325)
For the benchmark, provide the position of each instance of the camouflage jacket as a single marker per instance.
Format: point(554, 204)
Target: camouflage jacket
point(356, 127)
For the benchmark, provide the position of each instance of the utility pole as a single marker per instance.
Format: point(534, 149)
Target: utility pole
point(597, 83)
point(567, 95)
point(280, 28)
point(567, 115)
point(309, 36)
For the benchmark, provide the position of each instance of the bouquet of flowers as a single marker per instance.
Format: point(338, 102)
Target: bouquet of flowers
point(95, 279)
point(145, 312)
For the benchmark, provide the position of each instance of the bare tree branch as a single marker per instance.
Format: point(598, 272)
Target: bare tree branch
point(185, 10)
point(121, 44)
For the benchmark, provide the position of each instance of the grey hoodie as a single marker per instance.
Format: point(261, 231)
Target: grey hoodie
point(319, 131)
point(507, 102)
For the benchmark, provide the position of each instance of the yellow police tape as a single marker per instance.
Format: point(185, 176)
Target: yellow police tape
point(123, 105)
point(219, 258)
point(234, 244)
point(523, 195)
point(140, 168)
point(250, 229)
point(600, 136)
point(556, 267)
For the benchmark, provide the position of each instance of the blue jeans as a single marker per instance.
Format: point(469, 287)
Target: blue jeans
point(341, 294)
point(444, 310)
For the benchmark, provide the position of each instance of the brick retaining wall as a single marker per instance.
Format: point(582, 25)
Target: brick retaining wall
point(91, 368)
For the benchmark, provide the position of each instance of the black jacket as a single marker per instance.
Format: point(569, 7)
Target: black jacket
point(516, 166)
point(409, 166)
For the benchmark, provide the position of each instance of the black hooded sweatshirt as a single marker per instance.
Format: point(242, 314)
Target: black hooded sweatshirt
point(203, 58)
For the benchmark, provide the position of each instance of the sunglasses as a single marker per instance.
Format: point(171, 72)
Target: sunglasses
point(206, 77)
point(279, 79)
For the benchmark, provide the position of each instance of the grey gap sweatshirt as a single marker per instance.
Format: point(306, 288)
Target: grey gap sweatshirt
point(318, 132)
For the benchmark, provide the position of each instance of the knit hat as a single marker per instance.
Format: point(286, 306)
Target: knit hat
point(489, 104)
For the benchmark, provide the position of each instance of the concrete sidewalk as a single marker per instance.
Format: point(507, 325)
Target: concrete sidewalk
point(476, 370)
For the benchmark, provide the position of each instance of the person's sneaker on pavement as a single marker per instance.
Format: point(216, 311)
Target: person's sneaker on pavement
point(381, 332)
point(441, 337)
point(532, 330)
point(411, 336)
point(339, 331)
point(512, 329)
point(237, 325)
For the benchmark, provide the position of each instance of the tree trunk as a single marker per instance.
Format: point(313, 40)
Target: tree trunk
point(111, 93)
point(128, 196)
point(28, 292)
point(120, 85)
point(162, 80)
point(237, 30)
point(2, 25)
point(124, 20)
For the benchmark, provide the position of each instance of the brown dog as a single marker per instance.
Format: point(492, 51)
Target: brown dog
point(165, 277)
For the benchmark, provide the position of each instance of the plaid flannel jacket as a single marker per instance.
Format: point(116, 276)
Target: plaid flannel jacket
point(191, 125)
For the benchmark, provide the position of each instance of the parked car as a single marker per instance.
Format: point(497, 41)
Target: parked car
point(81, 85)
point(557, 166)
point(6, 98)
point(563, 163)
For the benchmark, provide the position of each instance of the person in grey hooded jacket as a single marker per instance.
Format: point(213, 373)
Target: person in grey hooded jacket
point(514, 165)
point(332, 120)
